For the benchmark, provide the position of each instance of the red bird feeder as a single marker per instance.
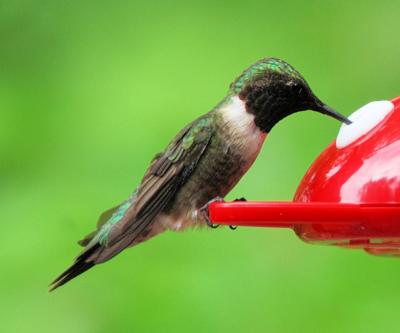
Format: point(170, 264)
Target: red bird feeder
point(349, 197)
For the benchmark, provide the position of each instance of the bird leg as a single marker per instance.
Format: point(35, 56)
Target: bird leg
point(204, 211)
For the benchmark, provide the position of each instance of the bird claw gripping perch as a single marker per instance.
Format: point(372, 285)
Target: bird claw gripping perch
point(206, 213)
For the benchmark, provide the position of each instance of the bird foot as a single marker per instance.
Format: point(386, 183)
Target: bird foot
point(205, 212)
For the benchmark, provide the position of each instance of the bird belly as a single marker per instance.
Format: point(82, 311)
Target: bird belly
point(179, 222)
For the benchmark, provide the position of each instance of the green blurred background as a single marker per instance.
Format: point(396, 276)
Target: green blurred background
point(91, 90)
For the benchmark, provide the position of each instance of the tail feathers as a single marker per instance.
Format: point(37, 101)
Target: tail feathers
point(80, 265)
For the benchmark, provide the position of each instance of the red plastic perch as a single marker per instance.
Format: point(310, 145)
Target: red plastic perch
point(372, 227)
point(290, 214)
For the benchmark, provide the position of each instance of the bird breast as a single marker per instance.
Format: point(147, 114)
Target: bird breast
point(241, 129)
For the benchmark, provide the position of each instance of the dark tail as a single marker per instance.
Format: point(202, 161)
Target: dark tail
point(81, 264)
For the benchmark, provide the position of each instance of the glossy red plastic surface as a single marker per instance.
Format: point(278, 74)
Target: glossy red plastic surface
point(367, 170)
point(349, 197)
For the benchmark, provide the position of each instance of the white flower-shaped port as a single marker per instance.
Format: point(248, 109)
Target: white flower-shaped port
point(363, 120)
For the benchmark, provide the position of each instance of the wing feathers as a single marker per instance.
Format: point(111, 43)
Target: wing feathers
point(165, 175)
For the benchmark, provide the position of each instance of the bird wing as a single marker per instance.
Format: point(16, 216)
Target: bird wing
point(166, 174)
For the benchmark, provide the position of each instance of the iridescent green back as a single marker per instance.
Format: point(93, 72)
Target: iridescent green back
point(260, 68)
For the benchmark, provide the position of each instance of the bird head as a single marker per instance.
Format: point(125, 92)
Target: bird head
point(272, 89)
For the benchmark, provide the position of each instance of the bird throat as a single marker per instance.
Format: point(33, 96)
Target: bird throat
point(268, 107)
point(240, 127)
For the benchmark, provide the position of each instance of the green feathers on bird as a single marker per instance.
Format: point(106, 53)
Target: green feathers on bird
point(259, 68)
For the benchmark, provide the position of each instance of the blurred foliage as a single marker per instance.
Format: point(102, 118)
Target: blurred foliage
point(91, 90)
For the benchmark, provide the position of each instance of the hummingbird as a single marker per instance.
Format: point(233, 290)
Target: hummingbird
point(202, 163)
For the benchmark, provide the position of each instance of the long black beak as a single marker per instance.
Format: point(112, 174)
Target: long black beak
point(325, 109)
